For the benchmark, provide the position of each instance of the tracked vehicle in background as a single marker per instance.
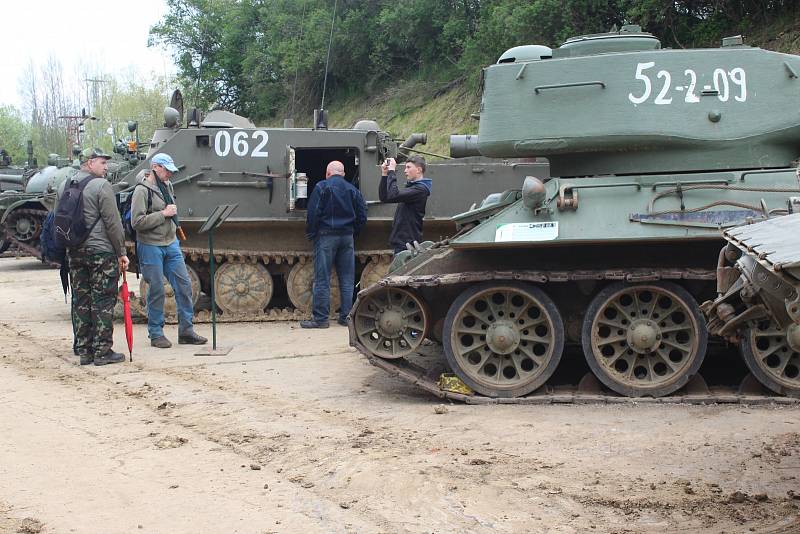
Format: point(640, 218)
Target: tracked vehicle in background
point(653, 152)
point(22, 212)
point(265, 267)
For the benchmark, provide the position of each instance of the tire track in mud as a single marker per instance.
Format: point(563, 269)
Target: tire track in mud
point(356, 464)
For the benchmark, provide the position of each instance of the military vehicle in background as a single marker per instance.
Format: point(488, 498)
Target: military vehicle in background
point(759, 304)
point(653, 151)
point(22, 213)
point(13, 181)
point(265, 267)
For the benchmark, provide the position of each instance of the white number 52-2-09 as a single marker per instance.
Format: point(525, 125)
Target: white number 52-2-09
point(240, 142)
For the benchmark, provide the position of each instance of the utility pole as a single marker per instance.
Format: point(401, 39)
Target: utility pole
point(92, 102)
point(75, 128)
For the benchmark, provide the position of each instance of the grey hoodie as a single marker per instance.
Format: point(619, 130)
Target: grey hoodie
point(152, 228)
point(100, 204)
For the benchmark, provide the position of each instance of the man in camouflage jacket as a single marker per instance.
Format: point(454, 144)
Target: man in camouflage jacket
point(95, 264)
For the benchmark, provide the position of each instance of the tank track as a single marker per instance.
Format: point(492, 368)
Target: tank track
point(194, 255)
point(589, 390)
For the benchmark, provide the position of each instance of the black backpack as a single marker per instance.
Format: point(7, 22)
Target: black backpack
point(125, 210)
point(50, 251)
point(69, 224)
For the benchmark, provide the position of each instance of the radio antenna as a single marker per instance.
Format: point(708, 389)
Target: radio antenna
point(297, 66)
point(328, 60)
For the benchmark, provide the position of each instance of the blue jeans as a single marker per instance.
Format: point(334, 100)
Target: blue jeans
point(155, 263)
point(330, 251)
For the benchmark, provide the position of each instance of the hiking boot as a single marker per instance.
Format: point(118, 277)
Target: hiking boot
point(109, 357)
point(87, 359)
point(314, 324)
point(160, 342)
point(191, 339)
point(341, 322)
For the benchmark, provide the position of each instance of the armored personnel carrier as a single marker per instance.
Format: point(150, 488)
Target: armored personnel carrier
point(265, 266)
point(653, 152)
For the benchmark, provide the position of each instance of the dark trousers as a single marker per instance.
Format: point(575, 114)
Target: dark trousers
point(333, 251)
point(94, 279)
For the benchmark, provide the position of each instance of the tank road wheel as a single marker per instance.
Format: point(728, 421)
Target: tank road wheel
point(374, 271)
point(503, 339)
point(242, 288)
point(170, 308)
point(24, 226)
point(391, 323)
point(773, 356)
point(644, 340)
point(299, 286)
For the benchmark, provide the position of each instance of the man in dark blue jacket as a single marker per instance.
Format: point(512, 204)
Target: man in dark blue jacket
point(336, 214)
point(407, 224)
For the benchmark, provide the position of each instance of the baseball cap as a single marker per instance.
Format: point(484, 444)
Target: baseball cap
point(91, 153)
point(165, 160)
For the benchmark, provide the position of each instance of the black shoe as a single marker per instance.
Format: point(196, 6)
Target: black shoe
point(109, 357)
point(160, 342)
point(87, 359)
point(191, 339)
point(341, 322)
point(314, 324)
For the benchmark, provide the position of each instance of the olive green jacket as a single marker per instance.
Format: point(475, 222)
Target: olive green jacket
point(99, 204)
point(152, 228)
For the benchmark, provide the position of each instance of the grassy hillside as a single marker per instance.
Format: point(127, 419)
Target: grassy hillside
point(416, 106)
point(440, 110)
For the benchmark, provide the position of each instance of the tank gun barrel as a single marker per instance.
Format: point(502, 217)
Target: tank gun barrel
point(16, 179)
point(464, 146)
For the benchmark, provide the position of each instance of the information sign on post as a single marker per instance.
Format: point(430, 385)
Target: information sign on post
point(213, 222)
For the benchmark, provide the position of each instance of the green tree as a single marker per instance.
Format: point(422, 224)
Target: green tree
point(14, 134)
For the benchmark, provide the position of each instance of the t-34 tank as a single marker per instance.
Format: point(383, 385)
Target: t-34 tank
point(653, 151)
point(265, 262)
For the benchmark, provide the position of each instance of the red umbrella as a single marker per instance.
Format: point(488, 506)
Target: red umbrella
point(124, 294)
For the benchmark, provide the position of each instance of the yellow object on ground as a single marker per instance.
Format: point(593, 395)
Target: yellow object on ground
point(450, 382)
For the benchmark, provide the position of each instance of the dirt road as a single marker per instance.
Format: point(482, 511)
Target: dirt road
point(295, 432)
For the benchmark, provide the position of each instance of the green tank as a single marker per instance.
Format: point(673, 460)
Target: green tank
point(22, 213)
point(265, 263)
point(653, 152)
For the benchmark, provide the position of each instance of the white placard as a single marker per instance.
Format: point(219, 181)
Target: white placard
point(535, 231)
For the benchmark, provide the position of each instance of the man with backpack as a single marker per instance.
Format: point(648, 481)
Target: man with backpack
point(154, 218)
point(88, 225)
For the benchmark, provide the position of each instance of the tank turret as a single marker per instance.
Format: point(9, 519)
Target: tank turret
point(617, 103)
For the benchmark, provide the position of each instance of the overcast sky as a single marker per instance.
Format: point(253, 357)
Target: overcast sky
point(111, 35)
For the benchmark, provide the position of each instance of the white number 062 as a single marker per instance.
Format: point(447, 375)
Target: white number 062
point(240, 143)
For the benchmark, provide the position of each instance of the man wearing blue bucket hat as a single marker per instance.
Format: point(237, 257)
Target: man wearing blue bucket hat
point(154, 216)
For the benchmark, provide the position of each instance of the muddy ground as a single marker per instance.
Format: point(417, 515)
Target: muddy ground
point(293, 431)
